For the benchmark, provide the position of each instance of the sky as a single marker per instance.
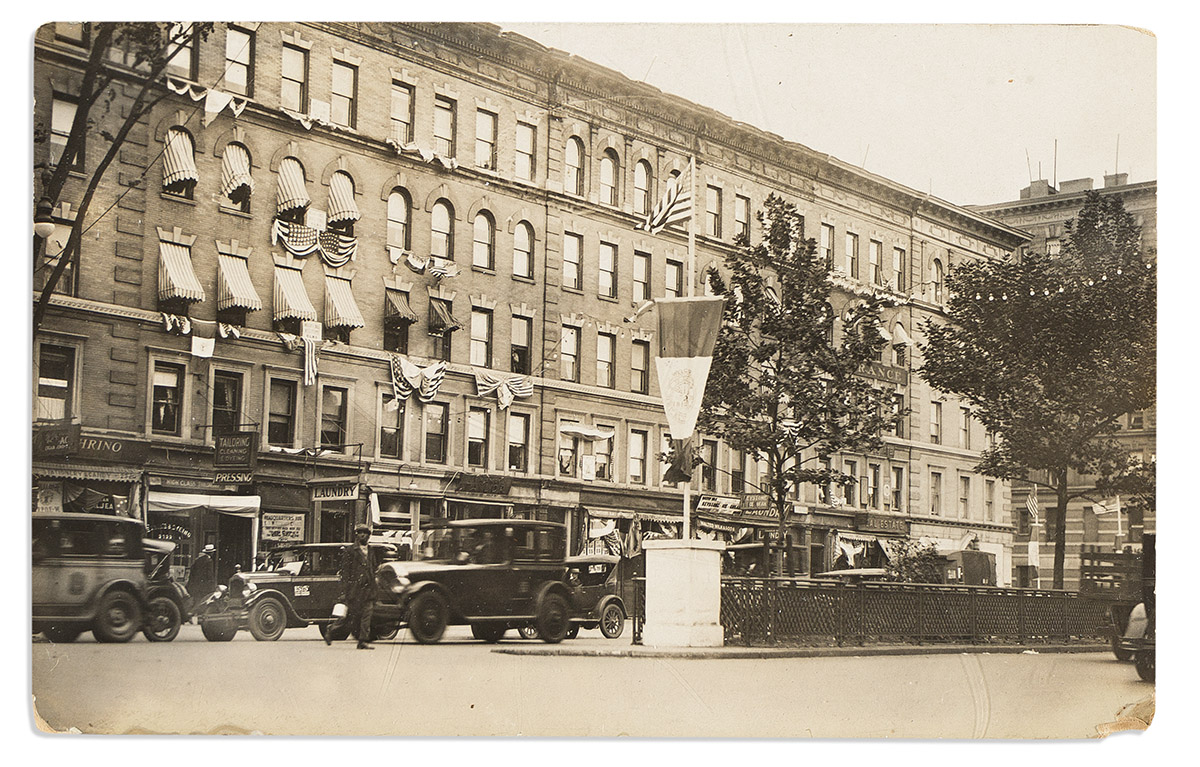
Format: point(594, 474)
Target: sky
point(968, 112)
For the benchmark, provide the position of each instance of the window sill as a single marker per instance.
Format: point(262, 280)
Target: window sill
point(525, 279)
point(232, 211)
point(178, 198)
point(484, 269)
point(570, 289)
point(609, 299)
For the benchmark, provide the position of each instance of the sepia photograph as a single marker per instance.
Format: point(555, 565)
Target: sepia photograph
point(592, 379)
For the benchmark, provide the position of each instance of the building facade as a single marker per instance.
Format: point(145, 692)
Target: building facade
point(1093, 523)
point(381, 272)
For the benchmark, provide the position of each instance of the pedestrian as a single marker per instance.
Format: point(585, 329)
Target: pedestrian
point(358, 589)
point(202, 577)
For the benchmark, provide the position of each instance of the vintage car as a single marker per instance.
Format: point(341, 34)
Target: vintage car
point(298, 587)
point(167, 602)
point(598, 585)
point(490, 574)
point(88, 574)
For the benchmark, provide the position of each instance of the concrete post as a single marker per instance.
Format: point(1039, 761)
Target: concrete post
point(683, 593)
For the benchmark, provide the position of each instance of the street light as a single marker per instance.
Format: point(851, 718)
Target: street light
point(43, 220)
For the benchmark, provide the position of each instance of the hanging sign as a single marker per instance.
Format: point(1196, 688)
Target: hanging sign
point(236, 451)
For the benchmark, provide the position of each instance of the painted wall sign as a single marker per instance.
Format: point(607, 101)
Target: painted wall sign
point(56, 440)
point(881, 523)
point(282, 527)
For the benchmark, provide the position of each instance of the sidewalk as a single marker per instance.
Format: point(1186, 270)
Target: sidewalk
point(741, 653)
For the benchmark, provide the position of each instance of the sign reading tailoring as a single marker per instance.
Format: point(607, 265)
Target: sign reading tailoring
point(236, 451)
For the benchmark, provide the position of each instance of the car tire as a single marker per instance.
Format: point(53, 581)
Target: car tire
point(61, 633)
point(163, 620)
point(118, 617)
point(427, 616)
point(385, 632)
point(528, 632)
point(572, 631)
point(612, 620)
point(267, 620)
point(1145, 664)
point(1120, 653)
point(218, 630)
point(553, 618)
point(489, 632)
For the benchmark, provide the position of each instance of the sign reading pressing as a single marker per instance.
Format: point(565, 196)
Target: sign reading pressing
point(282, 527)
point(236, 451)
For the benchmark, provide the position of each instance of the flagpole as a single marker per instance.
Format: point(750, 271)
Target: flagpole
point(689, 291)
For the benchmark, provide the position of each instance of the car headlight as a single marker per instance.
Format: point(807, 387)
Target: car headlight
point(222, 588)
point(250, 588)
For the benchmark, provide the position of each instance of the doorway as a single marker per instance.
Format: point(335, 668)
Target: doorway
point(234, 545)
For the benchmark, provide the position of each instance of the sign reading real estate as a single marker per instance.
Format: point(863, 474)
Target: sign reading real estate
point(282, 527)
point(238, 450)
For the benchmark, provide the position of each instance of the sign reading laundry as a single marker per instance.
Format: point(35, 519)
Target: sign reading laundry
point(335, 248)
point(343, 492)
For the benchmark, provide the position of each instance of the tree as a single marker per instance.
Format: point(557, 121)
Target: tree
point(1048, 351)
point(145, 48)
point(912, 561)
point(783, 387)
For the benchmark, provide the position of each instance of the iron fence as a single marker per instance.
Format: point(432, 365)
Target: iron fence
point(771, 611)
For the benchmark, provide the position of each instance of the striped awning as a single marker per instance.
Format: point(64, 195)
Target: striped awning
point(291, 300)
point(341, 199)
point(396, 309)
point(179, 161)
point(341, 310)
point(609, 513)
point(176, 280)
point(234, 289)
point(440, 319)
point(235, 173)
point(292, 193)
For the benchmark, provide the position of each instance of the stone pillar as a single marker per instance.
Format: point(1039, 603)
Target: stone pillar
point(683, 594)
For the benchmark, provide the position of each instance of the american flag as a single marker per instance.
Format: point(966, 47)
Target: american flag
point(675, 205)
point(310, 361)
point(1031, 503)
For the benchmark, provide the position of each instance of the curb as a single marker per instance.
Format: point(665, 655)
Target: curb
point(743, 653)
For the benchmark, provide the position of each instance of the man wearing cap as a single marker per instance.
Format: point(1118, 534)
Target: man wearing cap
point(358, 589)
point(202, 578)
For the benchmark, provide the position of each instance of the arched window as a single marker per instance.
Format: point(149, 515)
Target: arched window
point(292, 198)
point(573, 178)
point(236, 182)
point(642, 176)
point(399, 209)
point(523, 250)
point(610, 166)
point(900, 342)
point(179, 163)
point(342, 211)
point(441, 241)
point(484, 252)
point(937, 280)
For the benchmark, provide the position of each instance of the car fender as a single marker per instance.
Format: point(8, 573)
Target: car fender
point(422, 587)
point(608, 600)
point(293, 618)
point(553, 587)
point(124, 584)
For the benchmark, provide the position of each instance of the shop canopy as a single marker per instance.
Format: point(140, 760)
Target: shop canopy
point(236, 505)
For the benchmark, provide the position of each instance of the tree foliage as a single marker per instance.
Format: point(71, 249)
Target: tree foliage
point(912, 561)
point(781, 388)
point(1048, 351)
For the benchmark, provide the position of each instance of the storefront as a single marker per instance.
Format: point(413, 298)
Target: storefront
point(74, 472)
point(338, 505)
point(204, 516)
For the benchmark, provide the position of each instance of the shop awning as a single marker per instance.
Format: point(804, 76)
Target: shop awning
point(341, 199)
point(856, 537)
point(478, 501)
point(235, 173)
point(719, 526)
point(179, 161)
point(585, 432)
point(603, 513)
point(901, 335)
point(99, 473)
point(440, 319)
point(396, 309)
point(341, 311)
point(234, 289)
point(887, 335)
point(237, 505)
point(176, 280)
point(292, 193)
point(291, 300)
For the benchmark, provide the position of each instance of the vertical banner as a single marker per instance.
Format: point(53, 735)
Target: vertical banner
point(687, 334)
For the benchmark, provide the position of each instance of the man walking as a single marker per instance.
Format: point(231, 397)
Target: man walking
point(358, 589)
point(202, 578)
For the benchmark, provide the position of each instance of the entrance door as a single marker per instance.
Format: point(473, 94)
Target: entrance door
point(234, 543)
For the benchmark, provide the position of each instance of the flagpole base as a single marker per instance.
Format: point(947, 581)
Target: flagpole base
point(683, 594)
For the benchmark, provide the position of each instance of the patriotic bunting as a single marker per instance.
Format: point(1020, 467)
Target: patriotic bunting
point(675, 206)
point(335, 248)
point(311, 353)
point(408, 377)
point(506, 388)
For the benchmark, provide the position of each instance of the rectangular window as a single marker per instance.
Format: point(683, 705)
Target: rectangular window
point(435, 432)
point(637, 456)
point(608, 270)
point(606, 349)
point(640, 367)
point(852, 254)
point(485, 140)
point(478, 420)
point(334, 407)
point(851, 488)
point(712, 212)
point(964, 497)
point(239, 61)
point(481, 338)
point(226, 403)
point(402, 112)
point(526, 148)
point(900, 268)
point(641, 278)
point(989, 500)
point(875, 253)
point(443, 126)
point(965, 441)
point(569, 353)
point(522, 331)
point(898, 488)
point(873, 476)
point(183, 60)
point(568, 453)
point(1137, 419)
point(737, 472)
point(898, 407)
point(343, 95)
point(572, 266)
point(935, 493)
point(602, 451)
point(518, 442)
point(294, 86)
point(56, 383)
point(741, 216)
point(708, 469)
point(826, 244)
point(62, 116)
point(674, 280)
point(391, 426)
point(935, 423)
point(281, 418)
point(166, 406)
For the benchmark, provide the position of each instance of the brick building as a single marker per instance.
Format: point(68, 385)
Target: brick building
point(394, 260)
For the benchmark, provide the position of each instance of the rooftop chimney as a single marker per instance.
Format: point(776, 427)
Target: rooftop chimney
point(1115, 179)
point(1039, 188)
point(1075, 185)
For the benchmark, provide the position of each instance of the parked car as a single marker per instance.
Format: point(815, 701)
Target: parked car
point(492, 575)
point(598, 586)
point(88, 574)
point(298, 587)
point(167, 601)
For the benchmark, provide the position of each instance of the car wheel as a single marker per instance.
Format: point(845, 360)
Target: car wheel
point(528, 632)
point(163, 620)
point(488, 632)
point(118, 617)
point(427, 615)
point(385, 632)
point(553, 618)
point(218, 630)
point(1145, 664)
point(267, 620)
point(572, 631)
point(1121, 653)
point(61, 634)
point(612, 621)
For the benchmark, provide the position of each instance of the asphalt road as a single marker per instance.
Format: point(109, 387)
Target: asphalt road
point(298, 686)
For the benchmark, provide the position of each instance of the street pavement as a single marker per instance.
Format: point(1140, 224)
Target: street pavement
point(589, 687)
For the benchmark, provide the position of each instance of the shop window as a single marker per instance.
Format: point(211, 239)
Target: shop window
point(166, 407)
point(435, 432)
point(281, 416)
point(226, 403)
point(478, 420)
point(56, 383)
point(334, 408)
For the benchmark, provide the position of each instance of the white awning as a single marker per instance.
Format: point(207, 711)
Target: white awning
point(585, 432)
point(237, 505)
point(234, 289)
point(235, 172)
point(292, 193)
point(341, 311)
point(179, 161)
point(68, 471)
point(176, 280)
point(887, 336)
point(291, 300)
point(901, 335)
point(341, 199)
point(856, 537)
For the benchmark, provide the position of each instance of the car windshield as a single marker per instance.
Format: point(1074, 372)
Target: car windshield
point(158, 563)
point(464, 545)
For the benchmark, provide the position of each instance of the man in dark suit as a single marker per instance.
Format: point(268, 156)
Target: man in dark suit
point(202, 577)
point(358, 589)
